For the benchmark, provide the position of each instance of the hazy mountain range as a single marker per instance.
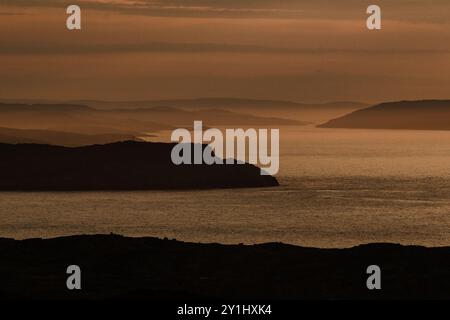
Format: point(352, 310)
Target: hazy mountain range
point(72, 124)
point(309, 112)
point(304, 112)
point(84, 122)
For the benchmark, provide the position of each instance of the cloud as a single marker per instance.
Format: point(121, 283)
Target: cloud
point(166, 47)
point(12, 13)
point(301, 49)
point(403, 10)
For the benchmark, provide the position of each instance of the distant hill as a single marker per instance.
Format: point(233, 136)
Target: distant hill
point(73, 118)
point(196, 103)
point(414, 115)
point(77, 118)
point(217, 102)
point(303, 112)
point(118, 166)
point(306, 112)
point(69, 139)
point(176, 116)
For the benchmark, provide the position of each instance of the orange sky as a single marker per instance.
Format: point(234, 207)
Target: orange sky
point(298, 50)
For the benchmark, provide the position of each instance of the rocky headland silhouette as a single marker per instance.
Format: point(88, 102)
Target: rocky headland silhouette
point(128, 165)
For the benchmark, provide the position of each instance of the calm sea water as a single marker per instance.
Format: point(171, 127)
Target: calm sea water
point(339, 188)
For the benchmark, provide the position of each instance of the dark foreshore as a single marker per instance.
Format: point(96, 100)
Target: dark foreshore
point(116, 267)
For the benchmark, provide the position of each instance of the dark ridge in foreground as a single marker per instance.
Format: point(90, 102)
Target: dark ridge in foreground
point(413, 115)
point(116, 267)
point(128, 165)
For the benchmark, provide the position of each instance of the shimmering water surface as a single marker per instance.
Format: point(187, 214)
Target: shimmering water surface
point(339, 188)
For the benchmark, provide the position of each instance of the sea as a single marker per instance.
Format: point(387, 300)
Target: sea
point(339, 188)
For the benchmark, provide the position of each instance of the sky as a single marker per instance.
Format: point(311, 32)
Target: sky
point(299, 50)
